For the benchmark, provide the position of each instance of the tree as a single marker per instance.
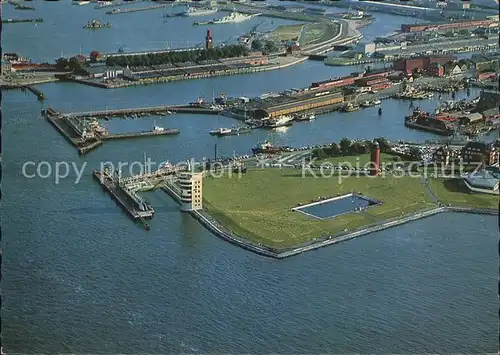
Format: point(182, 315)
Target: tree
point(319, 153)
point(415, 153)
point(270, 47)
point(345, 146)
point(332, 150)
point(62, 63)
point(257, 45)
point(360, 148)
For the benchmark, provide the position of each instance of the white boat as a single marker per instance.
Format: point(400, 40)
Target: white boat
point(312, 116)
point(234, 17)
point(221, 131)
point(365, 104)
point(193, 11)
point(158, 129)
point(82, 3)
point(376, 102)
point(281, 121)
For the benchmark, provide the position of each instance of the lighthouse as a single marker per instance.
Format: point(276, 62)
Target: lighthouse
point(208, 39)
point(375, 159)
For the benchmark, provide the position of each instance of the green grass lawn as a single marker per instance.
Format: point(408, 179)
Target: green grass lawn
point(286, 32)
point(318, 32)
point(450, 191)
point(258, 205)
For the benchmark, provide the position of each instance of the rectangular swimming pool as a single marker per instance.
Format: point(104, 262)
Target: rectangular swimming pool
point(336, 206)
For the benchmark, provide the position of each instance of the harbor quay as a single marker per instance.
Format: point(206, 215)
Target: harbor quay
point(83, 131)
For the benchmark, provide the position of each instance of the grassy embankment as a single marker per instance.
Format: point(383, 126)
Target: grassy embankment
point(451, 191)
point(258, 205)
point(310, 33)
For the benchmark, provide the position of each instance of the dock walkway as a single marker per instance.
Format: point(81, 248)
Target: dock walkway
point(144, 110)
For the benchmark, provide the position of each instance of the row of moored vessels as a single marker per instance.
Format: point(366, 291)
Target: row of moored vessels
point(414, 94)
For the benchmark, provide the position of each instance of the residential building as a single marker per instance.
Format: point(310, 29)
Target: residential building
point(479, 152)
point(444, 155)
point(452, 68)
point(486, 180)
point(435, 69)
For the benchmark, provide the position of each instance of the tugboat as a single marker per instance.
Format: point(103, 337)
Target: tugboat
point(305, 117)
point(365, 104)
point(94, 24)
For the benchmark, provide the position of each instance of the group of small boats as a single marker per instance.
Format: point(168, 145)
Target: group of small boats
point(350, 107)
point(414, 95)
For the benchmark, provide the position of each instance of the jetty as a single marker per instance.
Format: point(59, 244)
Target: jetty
point(153, 110)
point(125, 11)
point(164, 132)
point(35, 91)
point(127, 199)
point(80, 133)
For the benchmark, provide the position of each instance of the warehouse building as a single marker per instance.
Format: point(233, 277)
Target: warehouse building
point(296, 106)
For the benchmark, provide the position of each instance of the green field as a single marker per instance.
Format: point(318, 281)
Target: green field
point(318, 32)
point(449, 191)
point(258, 205)
point(286, 33)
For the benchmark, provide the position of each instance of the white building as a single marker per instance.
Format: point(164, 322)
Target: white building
point(191, 185)
point(365, 48)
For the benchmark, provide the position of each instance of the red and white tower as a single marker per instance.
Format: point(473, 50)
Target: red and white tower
point(208, 39)
point(375, 159)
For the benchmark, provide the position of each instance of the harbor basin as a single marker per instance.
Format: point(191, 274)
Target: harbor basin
point(336, 206)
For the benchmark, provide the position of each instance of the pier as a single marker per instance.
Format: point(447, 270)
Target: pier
point(152, 7)
point(80, 135)
point(140, 134)
point(133, 205)
point(35, 91)
point(154, 110)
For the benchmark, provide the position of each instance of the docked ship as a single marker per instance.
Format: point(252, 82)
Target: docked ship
point(233, 17)
point(94, 24)
point(221, 132)
point(423, 121)
point(193, 11)
point(305, 117)
point(349, 107)
point(268, 148)
point(359, 15)
point(280, 122)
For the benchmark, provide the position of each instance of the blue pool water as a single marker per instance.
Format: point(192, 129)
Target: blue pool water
point(336, 207)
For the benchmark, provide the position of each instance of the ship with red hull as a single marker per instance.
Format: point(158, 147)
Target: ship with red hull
point(424, 121)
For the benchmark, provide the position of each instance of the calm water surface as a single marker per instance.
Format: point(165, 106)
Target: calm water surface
point(79, 276)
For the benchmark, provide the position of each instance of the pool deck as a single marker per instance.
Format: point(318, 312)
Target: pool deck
point(372, 201)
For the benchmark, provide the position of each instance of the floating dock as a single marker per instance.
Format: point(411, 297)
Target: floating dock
point(136, 208)
point(140, 134)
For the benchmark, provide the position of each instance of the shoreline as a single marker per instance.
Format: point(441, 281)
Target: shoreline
point(220, 231)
